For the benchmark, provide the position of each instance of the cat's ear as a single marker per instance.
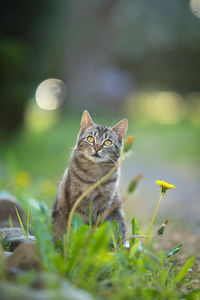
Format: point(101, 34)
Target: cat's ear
point(121, 128)
point(86, 121)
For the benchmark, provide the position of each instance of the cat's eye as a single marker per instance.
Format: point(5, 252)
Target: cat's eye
point(107, 143)
point(90, 139)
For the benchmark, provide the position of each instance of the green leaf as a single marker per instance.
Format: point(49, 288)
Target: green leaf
point(76, 245)
point(101, 238)
point(77, 222)
point(115, 225)
point(185, 269)
point(43, 208)
point(174, 251)
point(116, 231)
point(42, 229)
point(135, 230)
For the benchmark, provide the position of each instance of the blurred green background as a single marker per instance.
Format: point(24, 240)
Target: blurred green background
point(134, 59)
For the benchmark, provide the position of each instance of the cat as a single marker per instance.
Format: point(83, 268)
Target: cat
point(97, 151)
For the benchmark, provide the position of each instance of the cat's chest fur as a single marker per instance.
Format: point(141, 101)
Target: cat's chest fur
point(82, 176)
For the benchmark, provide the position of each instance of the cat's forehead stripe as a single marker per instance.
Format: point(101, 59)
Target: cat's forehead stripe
point(101, 130)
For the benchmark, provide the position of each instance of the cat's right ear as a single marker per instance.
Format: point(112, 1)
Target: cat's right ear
point(86, 121)
point(120, 129)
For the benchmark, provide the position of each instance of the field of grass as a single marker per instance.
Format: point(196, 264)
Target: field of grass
point(31, 165)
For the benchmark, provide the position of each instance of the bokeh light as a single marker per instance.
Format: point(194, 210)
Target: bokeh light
point(195, 7)
point(39, 120)
point(164, 107)
point(48, 187)
point(23, 179)
point(50, 94)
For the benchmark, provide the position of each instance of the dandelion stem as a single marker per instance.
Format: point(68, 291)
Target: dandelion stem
point(155, 213)
point(152, 221)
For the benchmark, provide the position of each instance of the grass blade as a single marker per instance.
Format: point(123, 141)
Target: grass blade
point(27, 223)
point(185, 269)
point(21, 224)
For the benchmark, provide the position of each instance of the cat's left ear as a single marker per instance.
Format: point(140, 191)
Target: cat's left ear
point(121, 128)
point(86, 121)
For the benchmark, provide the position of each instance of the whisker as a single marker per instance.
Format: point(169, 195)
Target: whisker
point(112, 160)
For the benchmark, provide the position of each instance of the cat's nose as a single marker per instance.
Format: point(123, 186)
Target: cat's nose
point(97, 147)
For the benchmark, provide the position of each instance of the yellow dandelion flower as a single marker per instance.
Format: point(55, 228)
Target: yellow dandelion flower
point(23, 178)
point(164, 185)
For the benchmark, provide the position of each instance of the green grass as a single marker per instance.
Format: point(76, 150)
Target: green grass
point(31, 165)
point(178, 143)
point(123, 273)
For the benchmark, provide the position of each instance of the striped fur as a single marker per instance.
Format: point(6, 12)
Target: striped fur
point(89, 162)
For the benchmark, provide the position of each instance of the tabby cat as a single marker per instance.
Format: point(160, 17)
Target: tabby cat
point(96, 152)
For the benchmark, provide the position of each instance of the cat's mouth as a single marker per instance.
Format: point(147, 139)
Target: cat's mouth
point(96, 155)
